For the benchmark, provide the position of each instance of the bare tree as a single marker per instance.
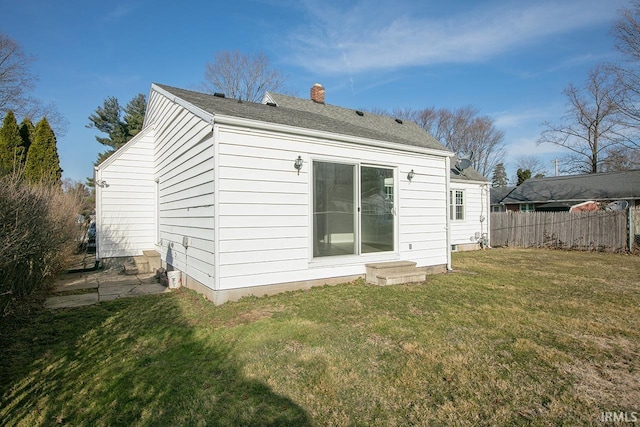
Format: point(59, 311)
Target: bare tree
point(16, 80)
point(241, 76)
point(532, 163)
point(16, 83)
point(627, 41)
point(621, 158)
point(461, 131)
point(591, 127)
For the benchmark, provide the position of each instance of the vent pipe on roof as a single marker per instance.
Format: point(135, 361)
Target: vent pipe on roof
point(317, 93)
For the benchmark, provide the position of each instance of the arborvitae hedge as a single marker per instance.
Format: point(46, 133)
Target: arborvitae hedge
point(43, 163)
point(12, 151)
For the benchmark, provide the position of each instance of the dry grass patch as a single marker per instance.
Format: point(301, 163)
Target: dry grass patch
point(531, 337)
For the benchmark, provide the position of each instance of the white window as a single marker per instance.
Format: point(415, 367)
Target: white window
point(527, 207)
point(456, 205)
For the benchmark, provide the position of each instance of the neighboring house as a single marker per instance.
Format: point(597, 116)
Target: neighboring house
point(469, 202)
point(573, 192)
point(247, 198)
point(497, 194)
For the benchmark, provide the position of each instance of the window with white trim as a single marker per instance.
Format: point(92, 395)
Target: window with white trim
point(527, 207)
point(456, 205)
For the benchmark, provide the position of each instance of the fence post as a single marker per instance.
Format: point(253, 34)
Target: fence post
point(630, 231)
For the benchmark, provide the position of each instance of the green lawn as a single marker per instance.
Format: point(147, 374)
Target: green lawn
point(513, 337)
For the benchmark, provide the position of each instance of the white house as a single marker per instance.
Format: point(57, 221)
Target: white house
point(254, 198)
point(469, 208)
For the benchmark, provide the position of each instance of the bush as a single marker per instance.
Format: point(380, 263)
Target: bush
point(38, 234)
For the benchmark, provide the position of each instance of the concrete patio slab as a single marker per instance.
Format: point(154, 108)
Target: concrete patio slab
point(74, 283)
point(106, 286)
point(148, 289)
point(115, 289)
point(113, 279)
point(68, 301)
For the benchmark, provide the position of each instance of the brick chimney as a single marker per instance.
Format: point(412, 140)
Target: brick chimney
point(317, 93)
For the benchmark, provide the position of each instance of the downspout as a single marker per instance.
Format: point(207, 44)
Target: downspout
point(446, 209)
point(485, 214)
point(98, 193)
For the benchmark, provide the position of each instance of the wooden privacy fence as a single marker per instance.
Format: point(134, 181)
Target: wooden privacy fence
point(587, 231)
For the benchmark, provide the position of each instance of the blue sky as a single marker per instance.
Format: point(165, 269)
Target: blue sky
point(509, 59)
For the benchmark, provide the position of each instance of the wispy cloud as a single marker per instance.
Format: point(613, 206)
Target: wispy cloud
point(120, 11)
point(369, 36)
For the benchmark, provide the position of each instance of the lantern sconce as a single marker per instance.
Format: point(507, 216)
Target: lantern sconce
point(410, 175)
point(298, 164)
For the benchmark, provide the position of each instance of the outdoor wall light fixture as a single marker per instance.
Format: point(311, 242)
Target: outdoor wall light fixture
point(100, 183)
point(410, 175)
point(298, 164)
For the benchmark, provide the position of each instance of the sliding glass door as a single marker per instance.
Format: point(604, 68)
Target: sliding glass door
point(351, 215)
point(334, 215)
point(377, 221)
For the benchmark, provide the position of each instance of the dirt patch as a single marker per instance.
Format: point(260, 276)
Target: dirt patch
point(250, 317)
point(611, 385)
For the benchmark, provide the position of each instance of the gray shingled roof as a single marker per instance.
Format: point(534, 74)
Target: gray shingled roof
point(469, 174)
point(499, 193)
point(600, 186)
point(310, 115)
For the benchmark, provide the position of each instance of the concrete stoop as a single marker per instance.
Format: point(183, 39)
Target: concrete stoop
point(394, 273)
point(148, 262)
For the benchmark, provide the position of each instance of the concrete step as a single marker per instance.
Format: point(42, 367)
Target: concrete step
point(130, 269)
point(153, 258)
point(417, 276)
point(142, 263)
point(388, 268)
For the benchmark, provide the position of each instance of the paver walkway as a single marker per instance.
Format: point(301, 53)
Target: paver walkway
point(91, 287)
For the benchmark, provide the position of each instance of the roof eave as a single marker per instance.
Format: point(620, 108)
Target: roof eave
point(338, 137)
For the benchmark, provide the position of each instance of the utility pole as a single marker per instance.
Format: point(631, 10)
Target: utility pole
point(556, 165)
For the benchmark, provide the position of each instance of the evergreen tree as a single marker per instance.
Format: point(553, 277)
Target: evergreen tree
point(120, 125)
point(499, 176)
point(134, 115)
point(28, 135)
point(523, 175)
point(11, 150)
point(43, 163)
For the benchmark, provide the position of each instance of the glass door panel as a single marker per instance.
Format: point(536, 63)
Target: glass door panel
point(334, 215)
point(377, 215)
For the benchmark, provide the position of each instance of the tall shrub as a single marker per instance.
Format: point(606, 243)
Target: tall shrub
point(12, 151)
point(43, 163)
point(28, 135)
point(38, 234)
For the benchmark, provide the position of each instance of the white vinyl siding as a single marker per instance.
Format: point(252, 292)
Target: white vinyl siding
point(184, 169)
point(125, 222)
point(476, 213)
point(265, 214)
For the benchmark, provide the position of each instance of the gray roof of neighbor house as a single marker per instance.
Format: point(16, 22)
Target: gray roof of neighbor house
point(468, 174)
point(499, 193)
point(311, 115)
point(599, 186)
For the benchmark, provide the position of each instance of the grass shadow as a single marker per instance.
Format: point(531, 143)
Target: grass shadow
point(112, 365)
